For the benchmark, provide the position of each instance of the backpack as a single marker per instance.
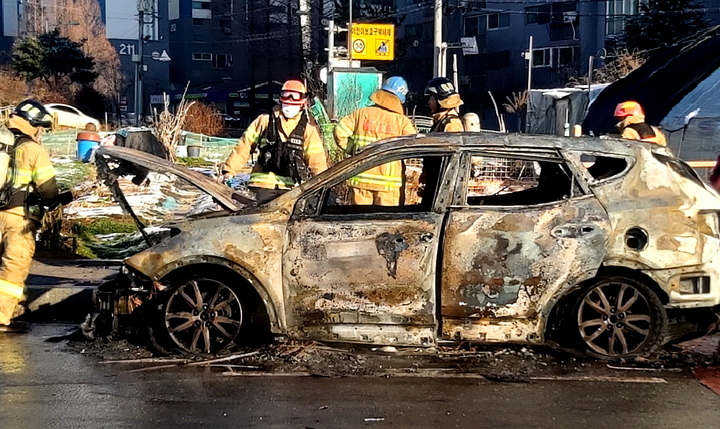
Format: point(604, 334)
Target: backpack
point(8, 170)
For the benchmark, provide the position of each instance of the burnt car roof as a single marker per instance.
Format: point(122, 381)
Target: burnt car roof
point(453, 142)
point(496, 139)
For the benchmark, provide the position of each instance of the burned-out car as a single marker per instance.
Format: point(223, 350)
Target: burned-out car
point(586, 242)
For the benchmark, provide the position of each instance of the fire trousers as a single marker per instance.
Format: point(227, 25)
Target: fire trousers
point(365, 197)
point(17, 243)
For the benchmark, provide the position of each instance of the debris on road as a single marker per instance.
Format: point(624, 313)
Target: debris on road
point(512, 364)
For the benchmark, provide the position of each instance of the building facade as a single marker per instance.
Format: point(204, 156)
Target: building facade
point(566, 34)
point(235, 53)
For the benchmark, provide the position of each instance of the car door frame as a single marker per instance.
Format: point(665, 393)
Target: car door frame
point(308, 209)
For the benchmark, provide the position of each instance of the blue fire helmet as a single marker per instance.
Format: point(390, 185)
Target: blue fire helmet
point(396, 86)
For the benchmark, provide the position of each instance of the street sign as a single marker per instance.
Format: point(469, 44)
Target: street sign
point(164, 57)
point(469, 45)
point(373, 42)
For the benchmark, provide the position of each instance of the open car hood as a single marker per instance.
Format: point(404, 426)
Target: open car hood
point(136, 163)
point(222, 194)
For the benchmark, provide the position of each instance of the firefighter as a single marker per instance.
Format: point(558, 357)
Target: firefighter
point(31, 186)
point(444, 102)
point(632, 124)
point(291, 150)
point(380, 185)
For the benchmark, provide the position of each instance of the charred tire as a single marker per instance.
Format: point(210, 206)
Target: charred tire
point(617, 317)
point(199, 316)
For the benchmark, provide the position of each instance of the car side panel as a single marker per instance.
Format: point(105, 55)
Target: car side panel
point(253, 242)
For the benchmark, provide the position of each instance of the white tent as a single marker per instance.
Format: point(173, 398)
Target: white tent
point(693, 125)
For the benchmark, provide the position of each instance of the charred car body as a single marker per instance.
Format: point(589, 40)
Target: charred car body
point(499, 238)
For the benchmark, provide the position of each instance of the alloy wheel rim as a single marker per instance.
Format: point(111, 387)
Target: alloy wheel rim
point(614, 319)
point(203, 316)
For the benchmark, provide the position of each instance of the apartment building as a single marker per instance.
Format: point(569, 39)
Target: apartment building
point(236, 53)
point(566, 34)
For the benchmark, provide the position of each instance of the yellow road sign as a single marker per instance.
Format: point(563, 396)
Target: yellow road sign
point(373, 42)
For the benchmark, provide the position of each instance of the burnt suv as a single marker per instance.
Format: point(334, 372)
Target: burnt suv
point(587, 242)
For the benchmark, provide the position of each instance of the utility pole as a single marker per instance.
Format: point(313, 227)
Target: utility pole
point(331, 45)
point(349, 42)
point(529, 57)
point(437, 40)
point(139, 66)
point(530, 65)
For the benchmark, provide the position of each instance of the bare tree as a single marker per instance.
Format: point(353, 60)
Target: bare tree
point(617, 65)
point(80, 21)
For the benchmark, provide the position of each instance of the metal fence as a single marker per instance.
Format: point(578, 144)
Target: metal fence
point(63, 143)
point(210, 147)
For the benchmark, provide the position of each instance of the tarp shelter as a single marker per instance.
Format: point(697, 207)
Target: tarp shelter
point(693, 125)
point(556, 111)
point(665, 79)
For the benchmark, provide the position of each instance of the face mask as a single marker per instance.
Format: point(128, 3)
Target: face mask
point(290, 110)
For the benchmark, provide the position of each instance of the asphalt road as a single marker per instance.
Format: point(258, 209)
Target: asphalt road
point(44, 385)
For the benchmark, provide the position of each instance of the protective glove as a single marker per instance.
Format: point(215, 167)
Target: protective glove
point(224, 177)
point(63, 198)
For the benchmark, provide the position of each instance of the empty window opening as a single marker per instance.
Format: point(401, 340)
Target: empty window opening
point(510, 182)
point(603, 167)
point(418, 180)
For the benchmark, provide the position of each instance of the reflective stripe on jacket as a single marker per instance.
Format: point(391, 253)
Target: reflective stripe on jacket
point(368, 125)
point(15, 291)
point(313, 151)
point(34, 173)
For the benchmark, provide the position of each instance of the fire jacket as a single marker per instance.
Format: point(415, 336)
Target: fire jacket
point(367, 125)
point(34, 178)
point(635, 128)
point(255, 136)
point(447, 121)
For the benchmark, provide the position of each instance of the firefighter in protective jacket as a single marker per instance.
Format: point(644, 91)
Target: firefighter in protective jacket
point(444, 102)
point(289, 142)
point(31, 186)
point(632, 124)
point(380, 185)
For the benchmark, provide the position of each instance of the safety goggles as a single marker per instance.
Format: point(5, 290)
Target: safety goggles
point(292, 96)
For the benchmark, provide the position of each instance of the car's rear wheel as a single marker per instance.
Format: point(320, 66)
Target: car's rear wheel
point(619, 317)
point(201, 316)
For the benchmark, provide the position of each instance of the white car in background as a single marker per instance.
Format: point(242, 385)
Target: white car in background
point(69, 116)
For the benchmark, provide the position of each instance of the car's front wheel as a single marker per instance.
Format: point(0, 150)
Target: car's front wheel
point(200, 316)
point(619, 317)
